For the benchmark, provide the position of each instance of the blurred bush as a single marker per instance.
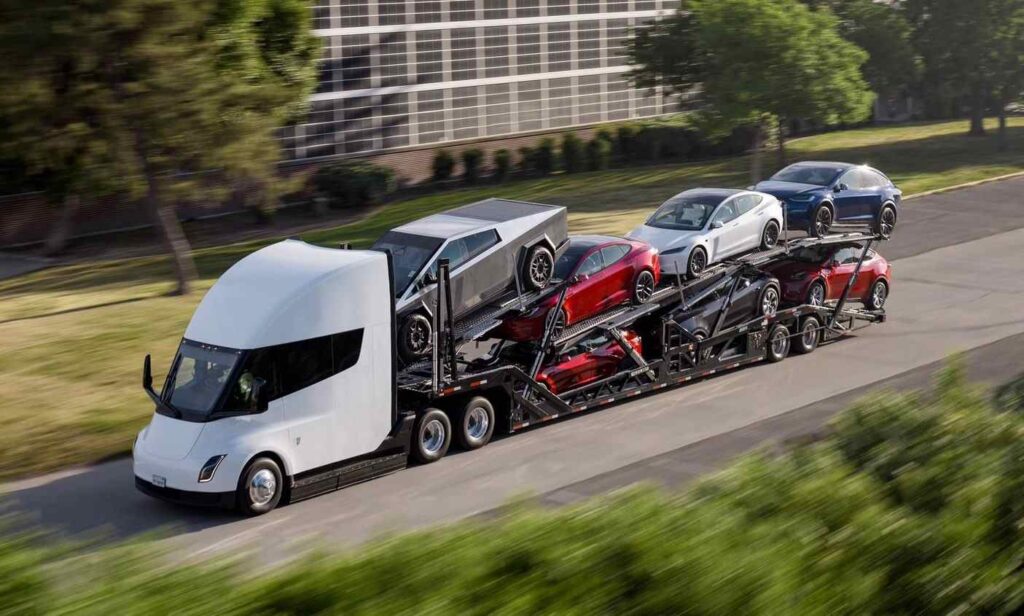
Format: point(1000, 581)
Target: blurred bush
point(354, 183)
point(599, 154)
point(526, 156)
point(572, 153)
point(502, 160)
point(443, 165)
point(543, 159)
point(471, 159)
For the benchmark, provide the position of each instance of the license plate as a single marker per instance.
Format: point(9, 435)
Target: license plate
point(160, 482)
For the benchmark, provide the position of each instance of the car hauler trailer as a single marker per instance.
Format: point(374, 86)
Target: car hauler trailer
point(287, 383)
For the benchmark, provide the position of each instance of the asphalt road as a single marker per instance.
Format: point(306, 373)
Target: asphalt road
point(958, 286)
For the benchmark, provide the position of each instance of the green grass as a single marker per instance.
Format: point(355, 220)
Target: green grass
point(72, 338)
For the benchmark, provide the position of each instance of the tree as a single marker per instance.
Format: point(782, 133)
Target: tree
point(151, 98)
point(786, 62)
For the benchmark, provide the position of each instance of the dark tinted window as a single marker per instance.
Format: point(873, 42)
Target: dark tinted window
point(801, 173)
point(611, 254)
point(569, 259)
point(409, 253)
point(481, 242)
point(726, 213)
point(592, 264)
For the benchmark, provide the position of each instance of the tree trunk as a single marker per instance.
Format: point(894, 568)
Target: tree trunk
point(782, 144)
point(755, 161)
point(977, 116)
point(165, 219)
point(1003, 143)
point(57, 240)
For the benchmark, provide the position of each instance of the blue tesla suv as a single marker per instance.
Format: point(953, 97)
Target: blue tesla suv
point(818, 194)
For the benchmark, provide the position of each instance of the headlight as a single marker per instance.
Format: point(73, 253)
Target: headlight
point(675, 251)
point(798, 276)
point(206, 474)
point(801, 199)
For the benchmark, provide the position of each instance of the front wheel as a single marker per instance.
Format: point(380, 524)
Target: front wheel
point(261, 487)
point(697, 262)
point(643, 287)
point(431, 436)
point(770, 235)
point(537, 268)
point(414, 337)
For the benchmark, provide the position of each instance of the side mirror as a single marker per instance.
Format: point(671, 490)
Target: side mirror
point(840, 187)
point(429, 278)
point(147, 374)
point(580, 278)
point(259, 394)
point(717, 224)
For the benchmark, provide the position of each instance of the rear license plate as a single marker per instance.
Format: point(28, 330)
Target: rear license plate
point(160, 482)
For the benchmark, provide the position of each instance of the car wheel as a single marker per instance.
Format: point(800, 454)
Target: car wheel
point(431, 437)
point(261, 487)
point(886, 221)
point(768, 303)
point(778, 343)
point(705, 353)
point(770, 235)
point(643, 287)
point(822, 221)
point(475, 424)
point(697, 262)
point(808, 336)
point(559, 323)
point(414, 337)
point(538, 268)
point(816, 294)
point(879, 293)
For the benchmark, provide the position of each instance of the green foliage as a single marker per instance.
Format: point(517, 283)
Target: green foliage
point(502, 160)
point(572, 153)
point(526, 157)
point(599, 154)
point(352, 184)
point(443, 165)
point(605, 133)
point(625, 141)
point(1010, 396)
point(471, 159)
point(544, 157)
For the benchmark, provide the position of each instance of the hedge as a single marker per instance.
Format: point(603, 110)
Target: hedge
point(914, 504)
point(354, 183)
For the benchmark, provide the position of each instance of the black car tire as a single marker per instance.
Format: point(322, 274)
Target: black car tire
point(770, 235)
point(816, 293)
point(537, 268)
point(769, 300)
point(474, 424)
point(431, 436)
point(778, 343)
point(643, 287)
point(261, 475)
point(809, 336)
point(697, 262)
point(821, 221)
point(414, 337)
point(559, 325)
point(879, 293)
point(886, 221)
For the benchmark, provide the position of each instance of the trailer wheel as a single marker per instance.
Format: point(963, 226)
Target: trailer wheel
point(810, 335)
point(538, 267)
point(260, 488)
point(431, 437)
point(475, 424)
point(414, 337)
point(778, 343)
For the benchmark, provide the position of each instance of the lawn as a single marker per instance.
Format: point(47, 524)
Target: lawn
point(72, 338)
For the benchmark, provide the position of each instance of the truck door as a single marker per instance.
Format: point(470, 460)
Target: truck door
point(485, 275)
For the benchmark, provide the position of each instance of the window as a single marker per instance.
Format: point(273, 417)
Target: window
point(745, 203)
point(872, 179)
point(456, 252)
point(591, 265)
point(848, 256)
point(612, 254)
point(852, 179)
point(726, 213)
point(409, 253)
point(478, 243)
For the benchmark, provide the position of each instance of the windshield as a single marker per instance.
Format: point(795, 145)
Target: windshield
point(815, 254)
point(567, 263)
point(409, 254)
point(199, 376)
point(808, 174)
point(684, 212)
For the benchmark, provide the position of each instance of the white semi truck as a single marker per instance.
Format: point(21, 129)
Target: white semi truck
point(287, 383)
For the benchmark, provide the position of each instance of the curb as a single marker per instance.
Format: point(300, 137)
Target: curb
point(946, 189)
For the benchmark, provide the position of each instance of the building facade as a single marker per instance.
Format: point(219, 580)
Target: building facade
point(400, 74)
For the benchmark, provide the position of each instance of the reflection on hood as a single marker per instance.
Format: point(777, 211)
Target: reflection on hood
point(664, 239)
point(784, 190)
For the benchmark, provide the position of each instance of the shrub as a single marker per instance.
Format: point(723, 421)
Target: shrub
point(544, 156)
point(471, 160)
point(605, 132)
point(527, 158)
point(502, 164)
point(599, 154)
point(354, 183)
point(625, 142)
point(647, 144)
point(572, 153)
point(443, 165)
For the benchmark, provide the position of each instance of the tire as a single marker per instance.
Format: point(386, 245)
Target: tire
point(705, 353)
point(431, 437)
point(537, 268)
point(474, 425)
point(770, 235)
point(809, 336)
point(879, 293)
point(414, 337)
point(697, 262)
point(822, 221)
point(886, 221)
point(778, 343)
point(643, 287)
point(769, 300)
point(260, 487)
point(559, 326)
point(816, 293)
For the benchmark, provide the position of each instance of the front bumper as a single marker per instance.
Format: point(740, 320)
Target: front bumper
point(225, 500)
point(798, 215)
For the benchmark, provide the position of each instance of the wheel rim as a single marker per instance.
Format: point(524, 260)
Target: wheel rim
point(878, 295)
point(823, 220)
point(779, 343)
point(262, 487)
point(559, 324)
point(698, 260)
point(433, 436)
point(540, 268)
point(888, 221)
point(478, 421)
point(644, 287)
point(771, 235)
point(810, 334)
point(770, 302)
point(419, 336)
point(817, 295)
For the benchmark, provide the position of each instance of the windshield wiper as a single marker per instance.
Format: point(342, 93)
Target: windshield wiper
point(147, 384)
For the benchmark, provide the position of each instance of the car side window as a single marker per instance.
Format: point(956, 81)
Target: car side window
point(592, 264)
point(851, 256)
point(851, 179)
point(478, 243)
point(873, 179)
point(611, 254)
point(747, 203)
point(726, 212)
point(455, 251)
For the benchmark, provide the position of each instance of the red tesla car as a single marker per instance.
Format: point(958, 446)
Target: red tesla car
point(587, 361)
point(819, 274)
point(601, 272)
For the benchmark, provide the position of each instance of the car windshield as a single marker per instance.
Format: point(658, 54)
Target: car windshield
point(814, 254)
point(199, 377)
point(685, 212)
point(567, 263)
point(409, 253)
point(808, 174)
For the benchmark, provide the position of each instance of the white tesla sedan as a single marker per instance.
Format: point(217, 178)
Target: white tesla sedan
point(702, 226)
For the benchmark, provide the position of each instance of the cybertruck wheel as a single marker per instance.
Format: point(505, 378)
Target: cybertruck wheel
point(778, 343)
point(697, 262)
point(643, 287)
point(261, 487)
point(879, 293)
point(808, 337)
point(431, 436)
point(821, 222)
point(537, 268)
point(886, 221)
point(770, 235)
point(474, 425)
point(414, 337)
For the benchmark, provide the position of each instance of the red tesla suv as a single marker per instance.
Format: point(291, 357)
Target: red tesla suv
point(592, 359)
point(819, 274)
point(602, 272)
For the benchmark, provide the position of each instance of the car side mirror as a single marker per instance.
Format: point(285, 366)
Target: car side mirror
point(717, 224)
point(429, 278)
point(580, 278)
point(147, 374)
point(259, 394)
point(564, 357)
point(840, 187)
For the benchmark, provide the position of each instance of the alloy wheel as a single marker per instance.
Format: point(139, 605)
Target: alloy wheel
point(644, 287)
point(540, 268)
point(769, 302)
point(822, 221)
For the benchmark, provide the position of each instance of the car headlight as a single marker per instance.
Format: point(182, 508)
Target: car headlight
point(801, 199)
point(206, 473)
point(798, 276)
point(675, 251)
